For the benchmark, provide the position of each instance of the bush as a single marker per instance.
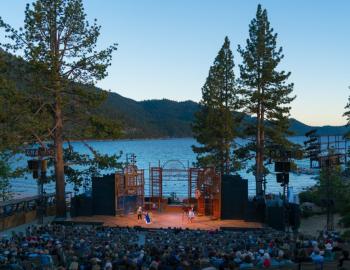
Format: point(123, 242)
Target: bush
point(346, 234)
point(310, 195)
point(345, 221)
point(305, 213)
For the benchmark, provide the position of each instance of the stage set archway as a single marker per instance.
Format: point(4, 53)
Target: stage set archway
point(193, 186)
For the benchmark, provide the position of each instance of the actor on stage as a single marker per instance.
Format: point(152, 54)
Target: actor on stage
point(147, 218)
point(139, 213)
point(191, 214)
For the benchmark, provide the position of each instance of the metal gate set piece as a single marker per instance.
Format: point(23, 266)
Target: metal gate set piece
point(195, 186)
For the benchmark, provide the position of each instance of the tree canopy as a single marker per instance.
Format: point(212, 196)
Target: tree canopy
point(61, 47)
point(266, 91)
point(215, 125)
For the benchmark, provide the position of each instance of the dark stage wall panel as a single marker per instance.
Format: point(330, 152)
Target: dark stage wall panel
point(103, 190)
point(81, 205)
point(234, 197)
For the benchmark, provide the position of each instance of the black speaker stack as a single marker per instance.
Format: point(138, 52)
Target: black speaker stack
point(104, 195)
point(234, 197)
point(102, 201)
point(282, 169)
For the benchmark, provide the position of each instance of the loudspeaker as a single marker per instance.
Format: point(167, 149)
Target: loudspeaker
point(35, 174)
point(234, 197)
point(33, 164)
point(282, 166)
point(282, 178)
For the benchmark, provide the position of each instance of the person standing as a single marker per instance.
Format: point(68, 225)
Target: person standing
point(139, 213)
point(191, 214)
point(147, 218)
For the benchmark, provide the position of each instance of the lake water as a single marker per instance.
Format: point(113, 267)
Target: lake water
point(151, 152)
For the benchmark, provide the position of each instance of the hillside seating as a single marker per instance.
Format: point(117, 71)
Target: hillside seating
point(330, 265)
point(27, 265)
point(289, 267)
point(346, 265)
point(310, 266)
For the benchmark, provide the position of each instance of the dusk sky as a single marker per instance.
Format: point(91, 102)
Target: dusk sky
point(167, 46)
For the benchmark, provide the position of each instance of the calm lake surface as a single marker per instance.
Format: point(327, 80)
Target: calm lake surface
point(152, 151)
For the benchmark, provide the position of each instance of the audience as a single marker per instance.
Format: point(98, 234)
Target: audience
point(102, 248)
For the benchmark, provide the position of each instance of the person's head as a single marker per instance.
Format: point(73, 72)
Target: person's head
point(108, 266)
point(266, 256)
point(302, 253)
point(238, 254)
point(247, 259)
point(280, 253)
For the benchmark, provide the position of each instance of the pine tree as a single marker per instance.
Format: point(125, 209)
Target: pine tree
point(266, 91)
point(214, 125)
point(347, 113)
point(10, 130)
point(60, 44)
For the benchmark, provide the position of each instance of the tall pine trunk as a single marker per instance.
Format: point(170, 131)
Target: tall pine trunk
point(259, 157)
point(227, 143)
point(262, 149)
point(59, 162)
point(58, 134)
point(227, 171)
point(260, 146)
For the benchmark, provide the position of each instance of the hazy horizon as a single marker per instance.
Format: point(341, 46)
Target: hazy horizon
point(166, 48)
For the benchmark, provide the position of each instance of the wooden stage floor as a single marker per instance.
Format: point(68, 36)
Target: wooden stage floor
point(169, 219)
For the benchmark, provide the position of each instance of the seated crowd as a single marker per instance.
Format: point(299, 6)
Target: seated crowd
point(93, 248)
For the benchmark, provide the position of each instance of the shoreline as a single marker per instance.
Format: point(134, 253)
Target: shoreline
point(129, 139)
point(143, 139)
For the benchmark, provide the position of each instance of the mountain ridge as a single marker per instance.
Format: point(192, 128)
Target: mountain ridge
point(167, 118)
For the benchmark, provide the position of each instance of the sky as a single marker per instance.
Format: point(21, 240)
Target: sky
point(167, 46)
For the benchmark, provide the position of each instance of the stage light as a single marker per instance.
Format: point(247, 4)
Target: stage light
point(33, 164)
point(282, 178)
point(282, 166)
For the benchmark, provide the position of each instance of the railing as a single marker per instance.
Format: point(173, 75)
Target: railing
point(21, 211)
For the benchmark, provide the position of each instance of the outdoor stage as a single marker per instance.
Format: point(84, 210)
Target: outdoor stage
point(169, 219)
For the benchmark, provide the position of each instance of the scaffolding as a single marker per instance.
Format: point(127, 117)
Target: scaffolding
point(326, 153)
point(193, 183)
point(129, 189)
point(209, 193)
